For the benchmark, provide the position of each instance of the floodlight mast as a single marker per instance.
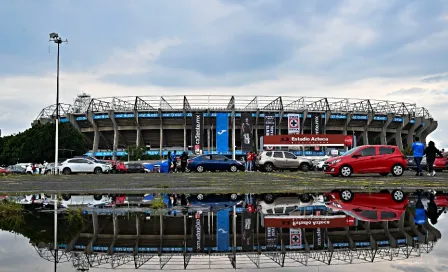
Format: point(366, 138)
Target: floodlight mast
point(54, 37)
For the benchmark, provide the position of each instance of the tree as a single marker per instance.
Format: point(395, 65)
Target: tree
point(136, 152)
point(36, 144)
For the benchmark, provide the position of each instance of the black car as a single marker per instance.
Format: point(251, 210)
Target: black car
point(134, 167)
point(413, 166)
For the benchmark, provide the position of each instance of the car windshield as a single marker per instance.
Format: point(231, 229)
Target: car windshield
point(351, 151)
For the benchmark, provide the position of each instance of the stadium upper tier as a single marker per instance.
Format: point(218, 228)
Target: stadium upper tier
point(191, 103)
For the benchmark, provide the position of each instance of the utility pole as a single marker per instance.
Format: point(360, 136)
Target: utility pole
point(54, 37)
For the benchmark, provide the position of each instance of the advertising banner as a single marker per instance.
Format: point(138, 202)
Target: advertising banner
point(317, 126)
point(319, 236)
point(198, 233)
point(271, 238)
point(246, 131)
point(222, 230)
point(247, 231)
point(305, 139)
point(295, 238)
point(293, 123)
point(222, 132)
point(269, 125)
point(197, 132)
point(306, 222)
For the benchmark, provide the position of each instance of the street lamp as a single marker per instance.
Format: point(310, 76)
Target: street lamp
point(54, 37)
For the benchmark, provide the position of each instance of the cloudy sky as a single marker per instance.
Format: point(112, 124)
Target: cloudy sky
point(393, 50)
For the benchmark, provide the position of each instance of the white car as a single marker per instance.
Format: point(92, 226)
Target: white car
point(80, 165)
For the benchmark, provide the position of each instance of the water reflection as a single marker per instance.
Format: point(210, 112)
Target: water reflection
point(210, 231)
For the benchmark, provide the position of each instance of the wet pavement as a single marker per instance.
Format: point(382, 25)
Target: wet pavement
point(337, 230)
point(215, 182)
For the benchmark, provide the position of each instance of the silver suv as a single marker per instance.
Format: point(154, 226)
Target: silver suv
point(270, 160)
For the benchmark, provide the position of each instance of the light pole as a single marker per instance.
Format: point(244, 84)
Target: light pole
point(54, 37)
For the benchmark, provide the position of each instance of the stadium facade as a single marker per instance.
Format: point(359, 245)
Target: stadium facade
point(215, 123)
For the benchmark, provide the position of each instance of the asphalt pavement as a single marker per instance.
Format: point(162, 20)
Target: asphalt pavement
point(225, 182)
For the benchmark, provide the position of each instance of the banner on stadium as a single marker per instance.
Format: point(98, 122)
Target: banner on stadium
point(306, 222)
point(317, 124)
point(246, 131)
point(197, 130)
point(305, 139)
point(271, 238)
point(293, 123)
point(222, 230)
point(198, 233)
point(295, 238)
point(222, 132)
point(247, 231)
point(269, 125)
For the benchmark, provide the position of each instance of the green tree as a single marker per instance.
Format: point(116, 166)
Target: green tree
point(36, 144)
point(136, 152)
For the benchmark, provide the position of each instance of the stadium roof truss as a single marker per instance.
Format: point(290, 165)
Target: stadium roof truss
point(242, 103)
point(236, 260)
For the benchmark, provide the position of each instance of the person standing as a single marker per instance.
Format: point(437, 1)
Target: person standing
point(249, 162)
point(174, 160)
point(417, 150)
point(431, 152)
point(183, 161)
point(170, 161)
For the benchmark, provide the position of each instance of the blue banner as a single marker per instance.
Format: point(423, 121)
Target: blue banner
point(222, 132)
point(223, 230)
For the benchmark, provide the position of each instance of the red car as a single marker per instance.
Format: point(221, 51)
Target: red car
point(440, 163)
point(374, 207)
point(4, 172)
point(367, 159)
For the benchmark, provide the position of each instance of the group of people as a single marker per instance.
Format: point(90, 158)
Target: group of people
point(36, 168)
point(250, 160)
point(419, 150)
point(172, 161)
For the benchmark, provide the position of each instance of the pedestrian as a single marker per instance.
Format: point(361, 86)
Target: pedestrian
point(183, 161)
point(431, 152)
point(40, 167)
point(249, 161)
point(254, 159)
point(29, 169)
point(174, 160)
point(418, 149)
point(170, 161)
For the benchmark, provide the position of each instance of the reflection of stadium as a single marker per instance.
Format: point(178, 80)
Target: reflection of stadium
point(112, 124)
point(133, 241)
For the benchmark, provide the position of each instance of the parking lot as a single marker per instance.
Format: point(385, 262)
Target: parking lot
point(224, 182)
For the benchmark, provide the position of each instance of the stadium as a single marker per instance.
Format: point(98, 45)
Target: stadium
point(214, 123)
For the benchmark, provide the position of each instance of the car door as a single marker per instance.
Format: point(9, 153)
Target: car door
point(386, 159)
point(291, 160)
point(87, 166)
point(278, 159)
point(364, 160)
point(207, 162)
point(218, 162)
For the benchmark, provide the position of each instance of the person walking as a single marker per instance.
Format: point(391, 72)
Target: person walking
point(170, 161)
point(417, 150)
point(183, 161)
point(174, 160)
point(431, 153)
point(249, 161)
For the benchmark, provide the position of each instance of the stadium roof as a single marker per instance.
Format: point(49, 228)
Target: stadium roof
point(240, 103)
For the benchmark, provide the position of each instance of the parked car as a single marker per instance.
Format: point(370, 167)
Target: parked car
point(413, 166)
point(79, 165)
point(214, 163)
point(190, 158)
point(270, 160)
point(16, 169)
point(4, 171)
point(319, 164)
point(368, 159)
point(373, 207)
point(131, 167)
point(440, 163)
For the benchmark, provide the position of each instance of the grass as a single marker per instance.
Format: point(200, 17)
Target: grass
point(11, 214)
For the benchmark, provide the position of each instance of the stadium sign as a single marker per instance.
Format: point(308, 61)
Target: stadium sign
point(305, 139)
point(307, 222)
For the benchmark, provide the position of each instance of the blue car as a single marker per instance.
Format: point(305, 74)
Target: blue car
point(214, 163)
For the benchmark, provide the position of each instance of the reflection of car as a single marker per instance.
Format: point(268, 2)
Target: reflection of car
point(381, 159)
point(272, 204)
point(89, 200)
point(270, 160)
point(80, 165)
point(440, 199)
point(214, 163)
point(383, 206)
point(215, 200)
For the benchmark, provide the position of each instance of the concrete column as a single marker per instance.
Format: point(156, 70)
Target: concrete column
point(327, 118)
point(139, 136)
point(233, 134)
point(280, 123)
point(116, 134)
point(410, 137)
point(433, 126)
point(96, 133)
point(424, 125)
point(256, 130)
point(72, 119)
point(185, 130)
point(390, 118)
point(208, 131)
point(347, 121)
point(398, 136)
point(305, 114)
point(161, 134)
point(365, 134)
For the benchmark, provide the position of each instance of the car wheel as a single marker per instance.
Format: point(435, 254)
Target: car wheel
point(268, 167)
point(384, 174)
point(200, 168)
point(233, 197)
point(233, 168)
point(66, 171)
point(305, 167)
point(397, 170)
point(200, 197)
point(346, 171)
point(346, 195)
point(97, 170)
point(398, 195)
point(269, 198)
point(97, 197)
point(66, 197)
point(305, 198)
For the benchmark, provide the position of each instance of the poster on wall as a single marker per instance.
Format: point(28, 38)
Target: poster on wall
point(197, 233)
point(317, 125)
point(271, 238)
point(197, 133)
point(247, 231)
point(222, 230)
point(246, 131)
point(293, 123)
point(269, 125)
point(222, 132)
